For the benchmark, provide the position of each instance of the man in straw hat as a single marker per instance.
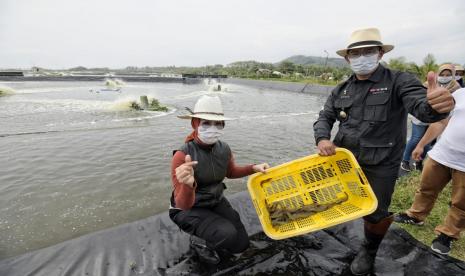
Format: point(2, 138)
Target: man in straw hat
point(198, 169)
point(371, 107)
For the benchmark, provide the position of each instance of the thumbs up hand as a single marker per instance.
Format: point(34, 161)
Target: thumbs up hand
point(185, 172)
point(439, 98)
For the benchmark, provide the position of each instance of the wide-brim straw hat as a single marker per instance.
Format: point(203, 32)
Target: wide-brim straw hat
point(365, 38)
point(207, 108)
point(459, 67)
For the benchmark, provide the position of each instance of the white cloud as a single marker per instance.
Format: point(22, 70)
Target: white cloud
point(61, 34)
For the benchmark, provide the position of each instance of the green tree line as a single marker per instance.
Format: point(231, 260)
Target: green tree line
point(289, 71)
point(248, 69)
point(401, 64)
point(286, 70)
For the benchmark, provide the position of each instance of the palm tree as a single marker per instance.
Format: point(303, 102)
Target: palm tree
point(429, 64)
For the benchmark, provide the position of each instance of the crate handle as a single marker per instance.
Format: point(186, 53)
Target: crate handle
point(360, 177)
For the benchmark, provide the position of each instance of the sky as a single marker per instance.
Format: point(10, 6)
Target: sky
point(118, 33)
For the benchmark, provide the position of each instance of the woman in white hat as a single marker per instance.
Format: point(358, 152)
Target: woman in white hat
point(198, 169)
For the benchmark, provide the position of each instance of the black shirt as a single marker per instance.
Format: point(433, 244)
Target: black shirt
point(372, 115)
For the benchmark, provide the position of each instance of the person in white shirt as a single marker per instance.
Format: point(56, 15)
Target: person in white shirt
point(446, 162)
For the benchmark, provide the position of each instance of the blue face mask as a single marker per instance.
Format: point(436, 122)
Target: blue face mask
point(364, 65)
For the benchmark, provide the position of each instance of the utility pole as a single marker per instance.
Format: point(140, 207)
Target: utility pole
point(326, 63)
point(326, 60)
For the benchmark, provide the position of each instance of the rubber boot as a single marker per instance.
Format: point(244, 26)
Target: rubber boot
point(365, 259)
point(203, 251)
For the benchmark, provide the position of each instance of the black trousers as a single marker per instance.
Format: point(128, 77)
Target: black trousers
point(382, 180)
point(220, 226)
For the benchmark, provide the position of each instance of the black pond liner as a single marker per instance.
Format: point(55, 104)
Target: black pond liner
point(155, 246)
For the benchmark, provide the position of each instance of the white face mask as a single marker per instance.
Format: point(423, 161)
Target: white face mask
point(458, 77)
point(444, 80)
point(209, 135)
point(364, 65)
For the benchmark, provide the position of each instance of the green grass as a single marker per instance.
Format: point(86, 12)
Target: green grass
point(402, 200)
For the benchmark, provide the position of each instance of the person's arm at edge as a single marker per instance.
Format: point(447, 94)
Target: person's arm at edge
point(433, 131)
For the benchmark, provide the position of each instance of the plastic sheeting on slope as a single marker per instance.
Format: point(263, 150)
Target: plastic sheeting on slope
point(155, 246)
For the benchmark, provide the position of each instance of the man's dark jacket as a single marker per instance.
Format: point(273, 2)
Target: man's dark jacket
point(372, 116)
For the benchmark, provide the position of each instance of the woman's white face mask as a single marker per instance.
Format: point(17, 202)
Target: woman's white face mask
point(364, 65)
point(444, 80)
point(209, 132)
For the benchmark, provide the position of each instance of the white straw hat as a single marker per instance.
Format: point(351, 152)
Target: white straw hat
point(365, 38)
point(207, 108)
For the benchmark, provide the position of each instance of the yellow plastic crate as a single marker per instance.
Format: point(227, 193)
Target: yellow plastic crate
point(314, 179)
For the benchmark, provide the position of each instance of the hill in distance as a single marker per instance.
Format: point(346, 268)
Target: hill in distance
point(309, 60)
